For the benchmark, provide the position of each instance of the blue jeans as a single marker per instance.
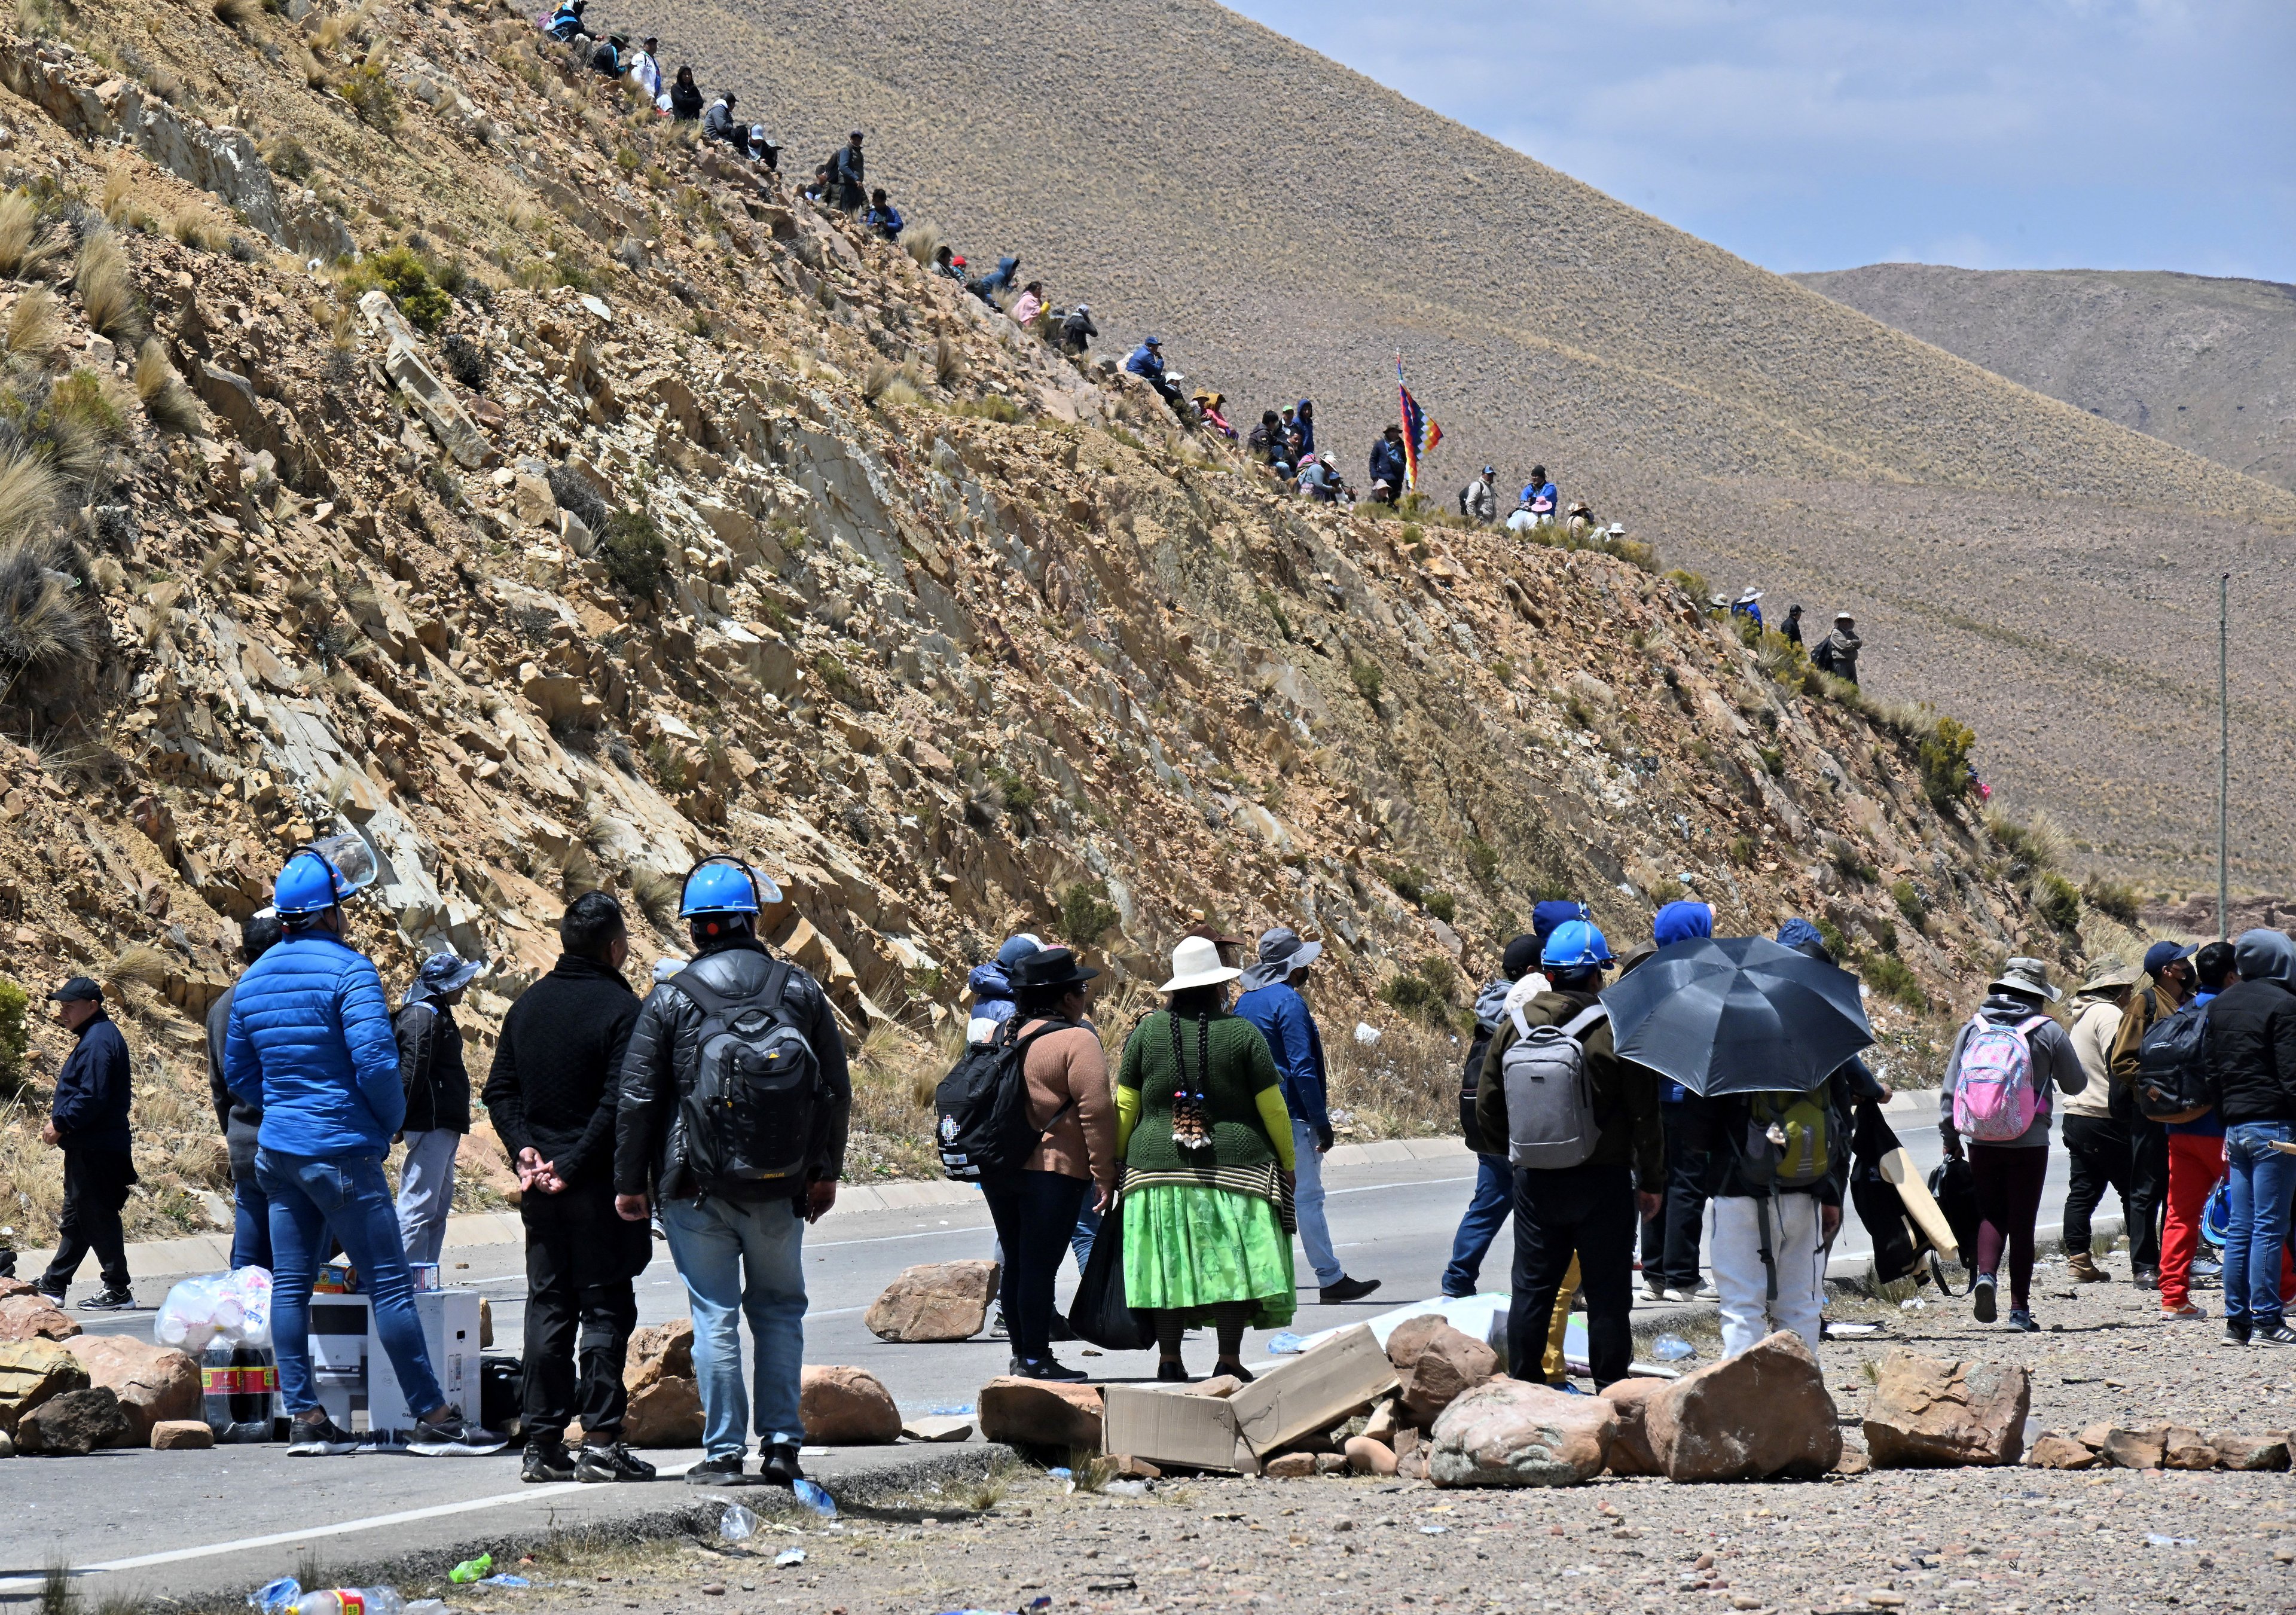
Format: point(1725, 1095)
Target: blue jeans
point(1486, 1214)
point(2260, 1182)
point(251, 1223)
point(349, 1196)
point(1307, 1200)
point(743, 1259)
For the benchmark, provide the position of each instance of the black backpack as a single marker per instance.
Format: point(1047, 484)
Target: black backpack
point(750, 1111)
point(1468, 1080)
point(981, 1107)
point(2173, 1074)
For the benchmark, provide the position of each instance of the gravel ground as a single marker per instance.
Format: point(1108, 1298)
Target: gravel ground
point(1992, 1540)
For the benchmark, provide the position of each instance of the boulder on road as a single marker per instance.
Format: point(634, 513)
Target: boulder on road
point(1929, 1410)
point(74, 1424)
point(33, 1317)
point(152, 1383)
point(938, 1301)
point(1514, 1432)
point(1762, 1413)
point(181, 1435)
point(847, 1408)
point(1631, 1447)
point(1040, 1412)
point(31, 1372)
point(2250, 1452)
point(2182, 1448)
point(1409, 1338)
point(2135, 1449)
point(659, 1351)
point(1451, 1364)
point(667, 1413)
point(2061, 1451)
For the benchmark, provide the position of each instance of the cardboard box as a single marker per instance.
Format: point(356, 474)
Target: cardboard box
point(1309, 1393)
point(351, 1372)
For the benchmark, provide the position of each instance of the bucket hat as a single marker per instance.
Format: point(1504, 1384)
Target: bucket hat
point(2030, 977)
point(1196, 962)
point(2108, 974)
point(1280, 952)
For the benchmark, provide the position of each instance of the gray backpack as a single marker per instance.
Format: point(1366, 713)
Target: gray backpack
point(1550, 1096)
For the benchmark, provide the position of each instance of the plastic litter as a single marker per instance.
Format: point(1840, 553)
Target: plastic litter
point(812, 1495)
point(788, 1557)
point(351, 1601)
point(1672, 1349)
point(426, 1606)
point(275, 1595)
point(1912, 1304)
point(1433, 1530)
point(234, 1306)
point(471, 1570)
point(1284, 1344)
point(737, 1524)
point(1125, 1489)
point(505, 1579)
point(1366, 1033)
point(2155, 1540)
point(951, 1410)
point(1060, 1474)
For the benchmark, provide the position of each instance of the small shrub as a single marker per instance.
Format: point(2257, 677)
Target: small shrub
point(1693, 584)
point(1483, 864)
point(466, 361)
point(1853, 865)
point(370, 94)
point(81, 398)
point(838, 680)
point(237, 14)
point(15, 1037)
point(107, 288)
point(1943, 758)
point(288, 158)
point(633, 554)
point(1086, 915)
point(1369, 680)
point(1742, 851)
point(1909, 904)
point(1773, 761)
point(1892, 977)
point(2057, 900)
point(2038, 842)
point(1423, 995)
point(407, 279)
point(669, 769)
point(1442, 904)
point(1410, 884)
point(1829, 933)
point(574, 494)
point(2117, 899)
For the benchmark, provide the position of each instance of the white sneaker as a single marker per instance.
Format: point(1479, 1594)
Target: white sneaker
point(1707, 1293)
point(1674, 1295)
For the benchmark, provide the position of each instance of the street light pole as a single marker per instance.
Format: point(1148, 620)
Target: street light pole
point(2223, 757)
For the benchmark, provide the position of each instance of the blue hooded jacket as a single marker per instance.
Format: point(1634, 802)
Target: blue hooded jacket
point(1303, 416)
point(1681, 922)
point(1145, 361)
point(311, 1042)
point(1280, 1016)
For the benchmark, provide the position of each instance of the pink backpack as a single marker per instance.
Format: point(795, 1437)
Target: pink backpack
point(1993, 1098)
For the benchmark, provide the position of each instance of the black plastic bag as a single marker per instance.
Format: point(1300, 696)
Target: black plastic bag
point(1899, 1242)
point(1099, 1315)
point(1954, 1186)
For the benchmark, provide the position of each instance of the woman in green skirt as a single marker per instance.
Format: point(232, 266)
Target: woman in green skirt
point(1206, 1143)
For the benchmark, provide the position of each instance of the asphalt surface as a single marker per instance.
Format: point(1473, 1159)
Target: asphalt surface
point(185, 1521)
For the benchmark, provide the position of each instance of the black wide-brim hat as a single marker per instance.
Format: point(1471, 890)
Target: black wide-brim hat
point(1050, 967)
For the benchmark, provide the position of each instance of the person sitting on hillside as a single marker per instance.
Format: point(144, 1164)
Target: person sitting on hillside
point(947, 264)
point(1539, 497)
point(1318, 481)
point(1303, 416)
point(1207, 405)
point(1029, 305)
point(997, 282)
point(1386, 465)
point(819, 190)
point(606, 61)
point(1147, 363)
point(565, 23)
point(719, 123)
point(1267, 445)
point(1479, 501)
point(1792, 626)
point(1749, 606)
point(645, 72)
point(1837, 652)
point(764, 148)
point(882, 217)
point(684, 97)
point(1077, 331)
point(1519, 519)
point(1582, 520)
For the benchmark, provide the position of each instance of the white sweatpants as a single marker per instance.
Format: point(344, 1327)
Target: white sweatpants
point(1735, 1239)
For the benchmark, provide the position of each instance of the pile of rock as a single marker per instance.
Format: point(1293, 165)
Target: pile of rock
point(2161, 1447)
point(840, 1406)
point(69, 1397)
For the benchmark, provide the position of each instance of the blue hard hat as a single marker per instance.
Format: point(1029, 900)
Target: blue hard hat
point(307, 885)
point(1575, 943)
point(724, 885)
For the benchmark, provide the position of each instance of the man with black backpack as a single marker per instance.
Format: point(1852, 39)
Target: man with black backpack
point(2251, 1052)
point(2170, 964)
point(733, 1116)
point(1583, 1135)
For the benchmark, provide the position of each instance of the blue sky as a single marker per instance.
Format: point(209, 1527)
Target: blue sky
point(2013, 134)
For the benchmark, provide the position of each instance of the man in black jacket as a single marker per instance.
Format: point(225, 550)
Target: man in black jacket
point(2252, 1048)
point(850, 171)
point(250, 1231)
point(88, 1122)
point(737, 1187)
point(437, 1086)
point(554, 1095)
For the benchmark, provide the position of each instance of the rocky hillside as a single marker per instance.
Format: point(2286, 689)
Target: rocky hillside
point(601, 506)
point(1290, 227)
point(2205, 363)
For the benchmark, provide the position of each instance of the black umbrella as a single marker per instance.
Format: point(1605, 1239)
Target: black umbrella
point(1737, 1015)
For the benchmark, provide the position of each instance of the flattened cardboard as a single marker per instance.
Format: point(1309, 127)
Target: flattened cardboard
point(1305, 1393)
point(1172, 1426)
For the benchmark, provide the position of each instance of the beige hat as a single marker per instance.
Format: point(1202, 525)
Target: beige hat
point(1196, 962)
point(2110, 974)
point(2030, 977)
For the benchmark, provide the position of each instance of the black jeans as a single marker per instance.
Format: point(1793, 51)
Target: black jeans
point(1034, 1213)
point(1588, 1210)
point(2148, 1190)
point(96, 1186)
point(580, 1307)
point(2098, 1149)
point(1670, 1239)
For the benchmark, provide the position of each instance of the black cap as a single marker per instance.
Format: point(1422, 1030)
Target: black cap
point(1522, 958)
point(79, 989)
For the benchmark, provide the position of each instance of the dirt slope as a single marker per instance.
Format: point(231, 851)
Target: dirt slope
point(976, 646)
point(2205, 363)
point(1290, 227)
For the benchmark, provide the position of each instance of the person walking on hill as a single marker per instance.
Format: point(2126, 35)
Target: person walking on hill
point(1590, 1206)
point(88, 1121)
point(1274, 1005)
point(555, 1093)
point(1206, 1143)
point(2251, 1050)
point(2096, 1119)
point(1994, 1109)
point(2197, 1160)
point(310, 1046)
point(1792, 626)
point(849, 171)
point(1837, 652)
point(1036, 1206)
point(1670, 1238)
point(1386, 465)
point(437, 1099)
point(2172, 979)
point(684, 97)
point(1479, 501)
point(734, 1200)
point(251, 1232)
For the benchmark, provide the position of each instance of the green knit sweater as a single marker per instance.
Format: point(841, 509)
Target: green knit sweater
point(1242, 1069)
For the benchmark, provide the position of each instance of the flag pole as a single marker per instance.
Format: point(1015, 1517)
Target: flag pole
point(2223, 757)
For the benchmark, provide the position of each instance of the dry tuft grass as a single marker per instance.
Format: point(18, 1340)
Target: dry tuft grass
point(27, 246)
point(107, 288)
point(194, 227)
point(237, 14)
point(138, 964)
point(922, 241)
point(35, 327)
point(166, 401)
point(949, 364)
point(41, 621)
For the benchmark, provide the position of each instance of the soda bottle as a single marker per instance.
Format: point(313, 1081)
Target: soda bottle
point(351, 1601)
point(217, 1374)
point(255, 1378)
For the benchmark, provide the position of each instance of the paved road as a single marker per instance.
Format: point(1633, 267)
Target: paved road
point(1392, 1220)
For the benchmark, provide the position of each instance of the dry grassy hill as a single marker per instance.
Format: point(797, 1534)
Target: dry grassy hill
point(2205, 363)
point(1290, 225)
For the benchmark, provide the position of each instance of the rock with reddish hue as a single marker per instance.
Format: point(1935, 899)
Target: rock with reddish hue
point(14, 1286)
point(668, 1412)
point(1331, 1464)
point(74, 1423)
point(2250, 1452)
point(847, 1408)
point(33, 1317)
point(2135, 1449)
point(1762, 1413)
point(1929, 1412)
point(181, 1435)
point(31, 1372)
point(2182, 1448)
point(2093, 1436)
point(1449, 1363)
point(1368, 1456)
point(2061, 1451)
point(1631, 1447)
point(1040, 1412)
point(659, 1351)
point(152, 1383)
point(1124, 1466)
point(1515, 1433)
point(1291, 1466)
point(1409, 1338)
point(939, 1301)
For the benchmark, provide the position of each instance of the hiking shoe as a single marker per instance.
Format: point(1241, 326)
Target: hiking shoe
point(108, 1300)
point(996, 1329)
point(2178, 1315)
point(610, 1461)
point(780, 1466)
point(320, 1437)
point(2235, 1332)
point(721, 1472)
point(2021, 1320)
point(1048, 1368)
point(1982, 1299)
point(2279, 1334)
point(2084, 1270)
point(1347, 1290)
point(55, 1294)
point(453, 1436)
point(2147, 1278)
point(547, 1465)
point(1706, 1293)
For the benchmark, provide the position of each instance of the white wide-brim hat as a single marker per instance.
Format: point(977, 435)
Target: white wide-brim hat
point(1196, 962)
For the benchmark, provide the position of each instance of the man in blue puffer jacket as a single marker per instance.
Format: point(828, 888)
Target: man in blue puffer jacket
point(310, 1042)
point(992, 988)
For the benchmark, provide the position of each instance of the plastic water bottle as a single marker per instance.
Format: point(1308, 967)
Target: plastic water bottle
point(737, 1524)
point(814, 1498)
point(352, 1600)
